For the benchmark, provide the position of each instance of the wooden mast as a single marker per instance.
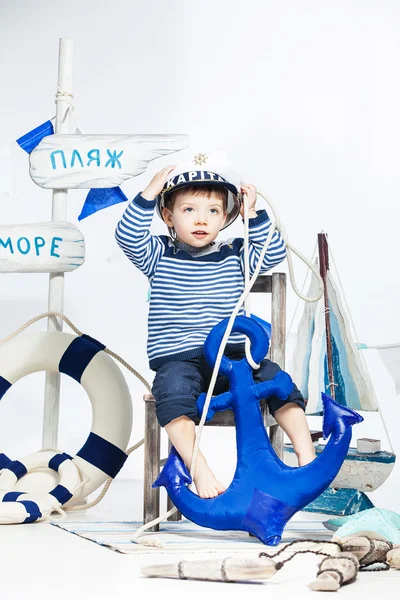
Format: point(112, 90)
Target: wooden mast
point(323, 269)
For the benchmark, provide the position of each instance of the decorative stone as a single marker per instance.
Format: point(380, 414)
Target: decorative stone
point(368, 445)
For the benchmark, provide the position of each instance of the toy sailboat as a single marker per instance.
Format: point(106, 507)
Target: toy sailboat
point(326, 358)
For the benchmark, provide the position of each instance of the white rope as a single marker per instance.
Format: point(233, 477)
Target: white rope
point(74, 126)
point(64, 97)
point(247, 310)
point(274, 226)
point(303, 287)
point(78, 332)
point(57, 510)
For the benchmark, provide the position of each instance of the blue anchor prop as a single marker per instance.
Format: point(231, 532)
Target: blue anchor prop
point(264, 493)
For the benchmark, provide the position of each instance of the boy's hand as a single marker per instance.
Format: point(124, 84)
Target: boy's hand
point(157, 183)
point(251, 193)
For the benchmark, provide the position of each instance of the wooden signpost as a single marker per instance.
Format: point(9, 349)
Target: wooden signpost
point(41, 248)
point(60, 162)
point(97, 161)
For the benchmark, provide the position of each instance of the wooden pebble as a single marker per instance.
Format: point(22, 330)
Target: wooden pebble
point(335, 571)
point(367, 551)
point(393, 558)
point(229, 569)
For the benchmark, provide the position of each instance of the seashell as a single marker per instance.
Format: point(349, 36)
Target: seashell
point(229, 569)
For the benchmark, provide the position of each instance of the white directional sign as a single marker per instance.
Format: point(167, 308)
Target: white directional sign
point(97, 161)
point(53, 247)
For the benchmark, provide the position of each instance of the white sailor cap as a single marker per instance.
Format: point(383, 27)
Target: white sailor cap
point(215, 169)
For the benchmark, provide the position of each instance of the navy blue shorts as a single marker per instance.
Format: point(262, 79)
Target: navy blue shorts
point(178, 384)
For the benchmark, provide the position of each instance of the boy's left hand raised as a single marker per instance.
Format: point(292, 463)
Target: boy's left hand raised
point(251, 192)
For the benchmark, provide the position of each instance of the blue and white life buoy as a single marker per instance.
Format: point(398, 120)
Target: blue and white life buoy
point(4, 460)
point(82, 358)
point(21, 507)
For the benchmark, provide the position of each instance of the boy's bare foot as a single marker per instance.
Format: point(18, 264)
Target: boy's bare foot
point(207, 485)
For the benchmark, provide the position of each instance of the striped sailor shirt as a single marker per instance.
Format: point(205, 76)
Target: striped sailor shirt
point(192, 289)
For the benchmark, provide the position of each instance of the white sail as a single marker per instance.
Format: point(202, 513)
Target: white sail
point(390, 354)
point(316, 381)
point(305, 333)
point(353, 385)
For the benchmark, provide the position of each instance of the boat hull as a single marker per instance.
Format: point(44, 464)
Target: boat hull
point(361, 471)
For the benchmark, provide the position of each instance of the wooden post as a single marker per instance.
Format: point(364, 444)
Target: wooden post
point(323, 269)
point(151, 496)
point(59, 213)
point(277, 353)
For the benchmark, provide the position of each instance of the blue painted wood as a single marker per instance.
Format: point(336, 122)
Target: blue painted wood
point(353, 454)
point(340, 502)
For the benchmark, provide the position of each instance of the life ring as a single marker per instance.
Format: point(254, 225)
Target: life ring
point(4, 460)
point(82, 358)
point(22, 507)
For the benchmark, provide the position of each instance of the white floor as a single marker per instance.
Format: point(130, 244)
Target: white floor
point(42, 561)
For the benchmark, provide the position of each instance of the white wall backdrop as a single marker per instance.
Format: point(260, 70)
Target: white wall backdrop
point(303, 95)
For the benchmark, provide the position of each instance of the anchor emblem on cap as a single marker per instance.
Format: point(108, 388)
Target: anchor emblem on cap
point(200, 159)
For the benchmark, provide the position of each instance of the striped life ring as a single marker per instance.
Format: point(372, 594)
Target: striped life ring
point(22, 507)
point(82, 358)
point(4, 460)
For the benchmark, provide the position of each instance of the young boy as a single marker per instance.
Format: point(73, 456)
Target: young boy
point(195, 283)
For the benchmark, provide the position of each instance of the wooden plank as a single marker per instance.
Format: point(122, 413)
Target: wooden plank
point(226, 418)
point(151, 496)
point(99, 160)
point(263, 284)
point(340, 502)
point(221, 419)
point(41, 248)
point(278, 322)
